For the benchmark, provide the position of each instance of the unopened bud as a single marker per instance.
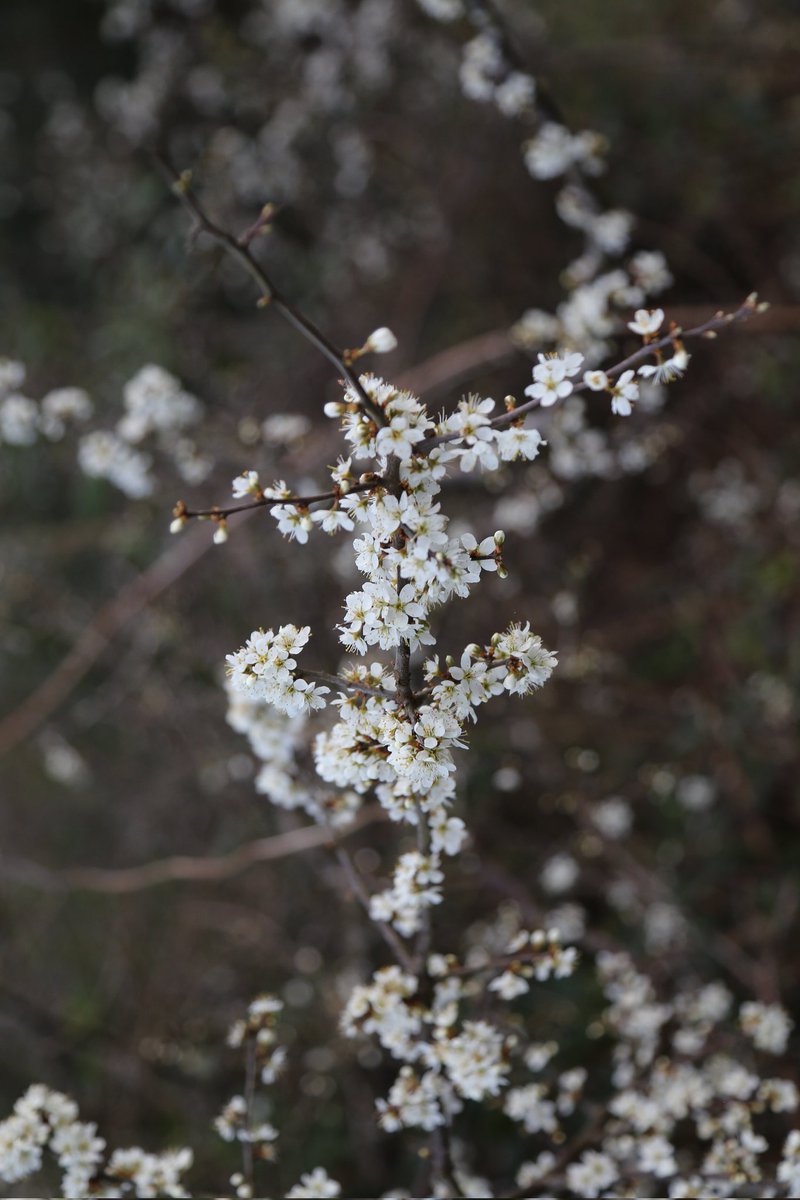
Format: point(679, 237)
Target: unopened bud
point(220, 533)
point(381, 341)
point(177, 525)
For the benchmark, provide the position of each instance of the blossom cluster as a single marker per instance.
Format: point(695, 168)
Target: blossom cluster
point(265, 669)
point(23, 420)
point(447, 1056)
point(265, 1060)
point(157, 410)
point(388, 738)
point(598, 289)
point(158, 413)
point(47, 1120)
point(255, 1034)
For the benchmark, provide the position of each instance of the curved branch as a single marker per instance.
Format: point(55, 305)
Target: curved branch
point(182, 868)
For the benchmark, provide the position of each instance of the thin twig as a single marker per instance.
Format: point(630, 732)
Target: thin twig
point(239, 249)
point(362, 895)
point(129, 601)
point(249, 1097)
point(262, 501)
point(350, 685)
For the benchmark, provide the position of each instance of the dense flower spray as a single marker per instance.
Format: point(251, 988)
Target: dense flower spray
point(687, 1105)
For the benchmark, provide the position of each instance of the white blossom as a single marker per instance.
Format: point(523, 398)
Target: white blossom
point(315, 1183)
point(647, 321)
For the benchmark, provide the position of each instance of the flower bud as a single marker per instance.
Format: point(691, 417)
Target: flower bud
point(381, 341)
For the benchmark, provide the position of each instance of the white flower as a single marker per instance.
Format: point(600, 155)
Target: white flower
point(624, 393)
point(657, 1157)
point(315, 1183)
point(695, 792)
point(647, 321)
point(649, 269)
point(331, 520)
point(155, 402)
point(62, 406)
point(246, 484)
point(768, 1025)
point(509, 985)
point(550, 375)
point(592, 1174)
point(529, 1106)
point(551, 152)
point(399, 438)
point(442, 10)
point(596, 380)
point(19, 420)
point(531, 1172)
point(518, 442)
point(515, 94)
point(474, 1060)
point(668, 370)
point(12, 375)
point(414, 1102)
point(281, 429)
point(559, 873)
point(293, 522)
point(106, 456)
point(613, 817)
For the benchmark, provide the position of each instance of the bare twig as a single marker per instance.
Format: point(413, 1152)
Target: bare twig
point(261, 501)
point(362, 895)
point(239, 249)
point(131, 599)
point(349, 685)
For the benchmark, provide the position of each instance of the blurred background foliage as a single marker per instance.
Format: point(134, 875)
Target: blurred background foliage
point(672, 594)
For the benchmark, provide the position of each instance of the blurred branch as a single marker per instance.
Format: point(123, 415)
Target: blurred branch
point(461, 362)
point(133, 597)
point(182, 868)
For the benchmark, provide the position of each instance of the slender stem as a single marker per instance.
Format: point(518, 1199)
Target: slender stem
point(350, 685)
point(263, 501)
point(362, 895)
point(423, 941)
point(238, 248)
point(249, 1096)
point(442, 1166)
point(499, 963)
